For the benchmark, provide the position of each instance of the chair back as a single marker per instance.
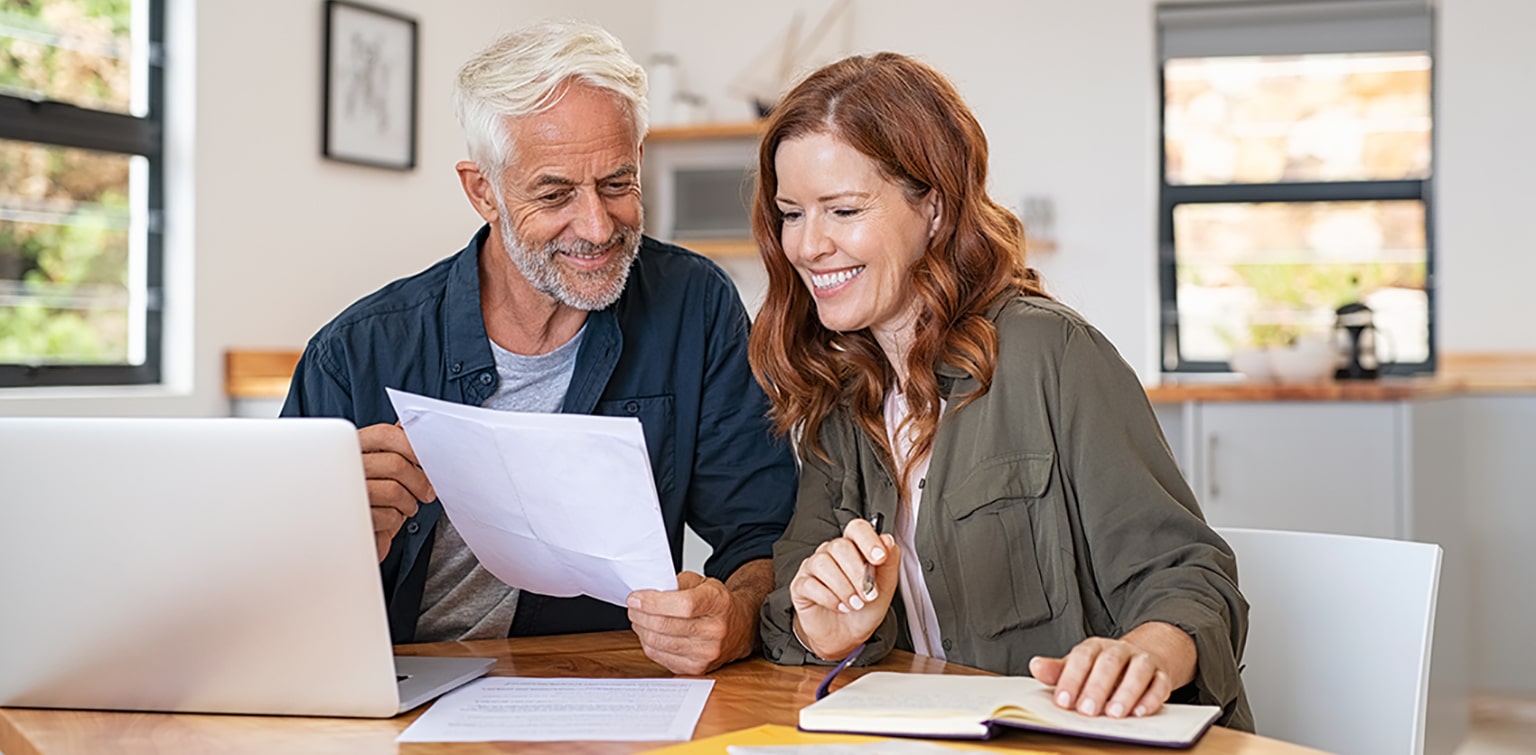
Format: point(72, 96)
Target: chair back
point(1339, 637)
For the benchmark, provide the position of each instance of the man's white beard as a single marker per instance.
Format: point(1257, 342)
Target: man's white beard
point(586, 290)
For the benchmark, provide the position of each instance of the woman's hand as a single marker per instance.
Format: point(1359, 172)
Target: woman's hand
point(1133, 675)
point(837, 604)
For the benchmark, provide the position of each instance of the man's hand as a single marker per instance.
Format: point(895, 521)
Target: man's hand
point(705, 623)
point(395, 481)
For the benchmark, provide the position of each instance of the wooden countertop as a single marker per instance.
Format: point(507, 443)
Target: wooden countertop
point(746, 694)
point(1329, 390)
point(264, 374)
point(253, 373)
point(1460, 374)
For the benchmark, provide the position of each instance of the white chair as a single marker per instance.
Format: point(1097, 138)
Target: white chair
point(1339, 634)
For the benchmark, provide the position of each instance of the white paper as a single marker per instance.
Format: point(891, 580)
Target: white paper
point(517, 709)
point(558, 504)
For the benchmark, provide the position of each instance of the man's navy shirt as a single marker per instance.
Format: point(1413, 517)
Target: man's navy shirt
point(671, 351)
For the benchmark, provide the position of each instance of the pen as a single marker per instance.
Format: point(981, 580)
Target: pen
point(875, 520)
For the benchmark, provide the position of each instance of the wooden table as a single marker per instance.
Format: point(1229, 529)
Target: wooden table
point(746, 694)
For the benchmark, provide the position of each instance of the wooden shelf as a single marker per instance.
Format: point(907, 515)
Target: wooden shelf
point(721, 248)
point(255, 373)
point(735, 130)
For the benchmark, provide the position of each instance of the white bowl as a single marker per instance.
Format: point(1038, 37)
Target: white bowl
point(1252, 364)
point(1309, 361)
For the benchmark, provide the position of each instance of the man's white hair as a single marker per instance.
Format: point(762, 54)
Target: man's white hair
point(527, 71)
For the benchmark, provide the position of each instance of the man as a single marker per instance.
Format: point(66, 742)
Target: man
point(559, 304)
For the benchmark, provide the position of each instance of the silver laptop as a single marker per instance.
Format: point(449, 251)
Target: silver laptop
point(197, 565)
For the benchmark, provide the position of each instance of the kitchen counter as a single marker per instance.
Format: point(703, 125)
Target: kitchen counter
point(1460, 374)
point(258, 374)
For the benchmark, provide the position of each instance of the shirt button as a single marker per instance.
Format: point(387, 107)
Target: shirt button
point(948, 644)
point(485, 378)
point(412, 528)
point(923, 483)
point(457, 368)
point(633, 407)
point(927, 564)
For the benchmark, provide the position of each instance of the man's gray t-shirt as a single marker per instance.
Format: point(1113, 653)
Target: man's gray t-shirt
point(463, 601)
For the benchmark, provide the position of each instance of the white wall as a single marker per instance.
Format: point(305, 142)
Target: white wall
point(273, 239)
point(1486, 62)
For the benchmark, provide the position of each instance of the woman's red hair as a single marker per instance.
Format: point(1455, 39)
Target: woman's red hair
point(907, 118)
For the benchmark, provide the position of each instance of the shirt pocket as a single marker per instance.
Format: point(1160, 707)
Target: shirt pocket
point(656, 422)
point(1000, 575)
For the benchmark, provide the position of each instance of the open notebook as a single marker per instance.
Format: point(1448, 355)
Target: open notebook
point(973, 707)
point(197, 565)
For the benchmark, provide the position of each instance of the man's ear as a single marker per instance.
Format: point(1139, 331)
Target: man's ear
point(477, 187)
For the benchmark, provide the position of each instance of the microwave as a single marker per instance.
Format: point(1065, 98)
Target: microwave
point(699, 190)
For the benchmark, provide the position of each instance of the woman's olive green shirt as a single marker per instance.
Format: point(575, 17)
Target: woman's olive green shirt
point(1052, 511)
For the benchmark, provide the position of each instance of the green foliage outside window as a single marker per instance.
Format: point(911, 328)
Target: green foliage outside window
point(65, 257)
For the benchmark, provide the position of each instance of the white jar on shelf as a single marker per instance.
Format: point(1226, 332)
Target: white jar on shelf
point(662, 75)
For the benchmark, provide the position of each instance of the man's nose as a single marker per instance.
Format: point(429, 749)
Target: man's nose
point(593, 223)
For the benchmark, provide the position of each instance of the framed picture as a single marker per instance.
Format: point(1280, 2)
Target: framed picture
point(369, 113)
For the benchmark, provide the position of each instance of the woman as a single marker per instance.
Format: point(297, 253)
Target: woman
point(1039, 524)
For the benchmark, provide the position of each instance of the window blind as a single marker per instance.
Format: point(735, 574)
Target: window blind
point(1293, 27)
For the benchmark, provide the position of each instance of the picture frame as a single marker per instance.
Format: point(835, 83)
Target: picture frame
point(368, 115)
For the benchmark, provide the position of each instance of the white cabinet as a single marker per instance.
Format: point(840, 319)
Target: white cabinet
point(255, 407)
point(1500, 500)
point(1322, 467)
point(1373, 468)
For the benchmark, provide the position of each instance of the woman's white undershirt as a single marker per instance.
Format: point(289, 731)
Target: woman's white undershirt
point(921, 620)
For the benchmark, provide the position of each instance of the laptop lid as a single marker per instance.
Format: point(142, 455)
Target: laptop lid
point(207, 565)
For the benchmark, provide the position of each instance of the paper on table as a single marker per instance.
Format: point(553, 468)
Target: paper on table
point(559, 504)
point(519, 709)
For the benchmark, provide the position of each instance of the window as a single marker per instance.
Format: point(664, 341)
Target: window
point(81, 103)
point(1297, 159)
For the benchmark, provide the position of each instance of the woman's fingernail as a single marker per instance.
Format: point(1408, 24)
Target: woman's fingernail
point(877, 554)
point(1115, 710)
point(842, 607)
point(855, 602)
point(874, 592)
point(1088, 707)
point(1141, 710)
point(1064, 699)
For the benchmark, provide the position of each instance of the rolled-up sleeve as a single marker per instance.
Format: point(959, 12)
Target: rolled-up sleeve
point(814, 523)
point(1154, 558)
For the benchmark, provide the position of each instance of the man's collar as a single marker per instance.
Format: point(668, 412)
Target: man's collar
point(469, 349)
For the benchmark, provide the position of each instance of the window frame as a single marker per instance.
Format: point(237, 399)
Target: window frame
point(1170, 196)
point(62, 124)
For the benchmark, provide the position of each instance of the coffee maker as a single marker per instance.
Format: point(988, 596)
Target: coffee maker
point(1355, 335)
